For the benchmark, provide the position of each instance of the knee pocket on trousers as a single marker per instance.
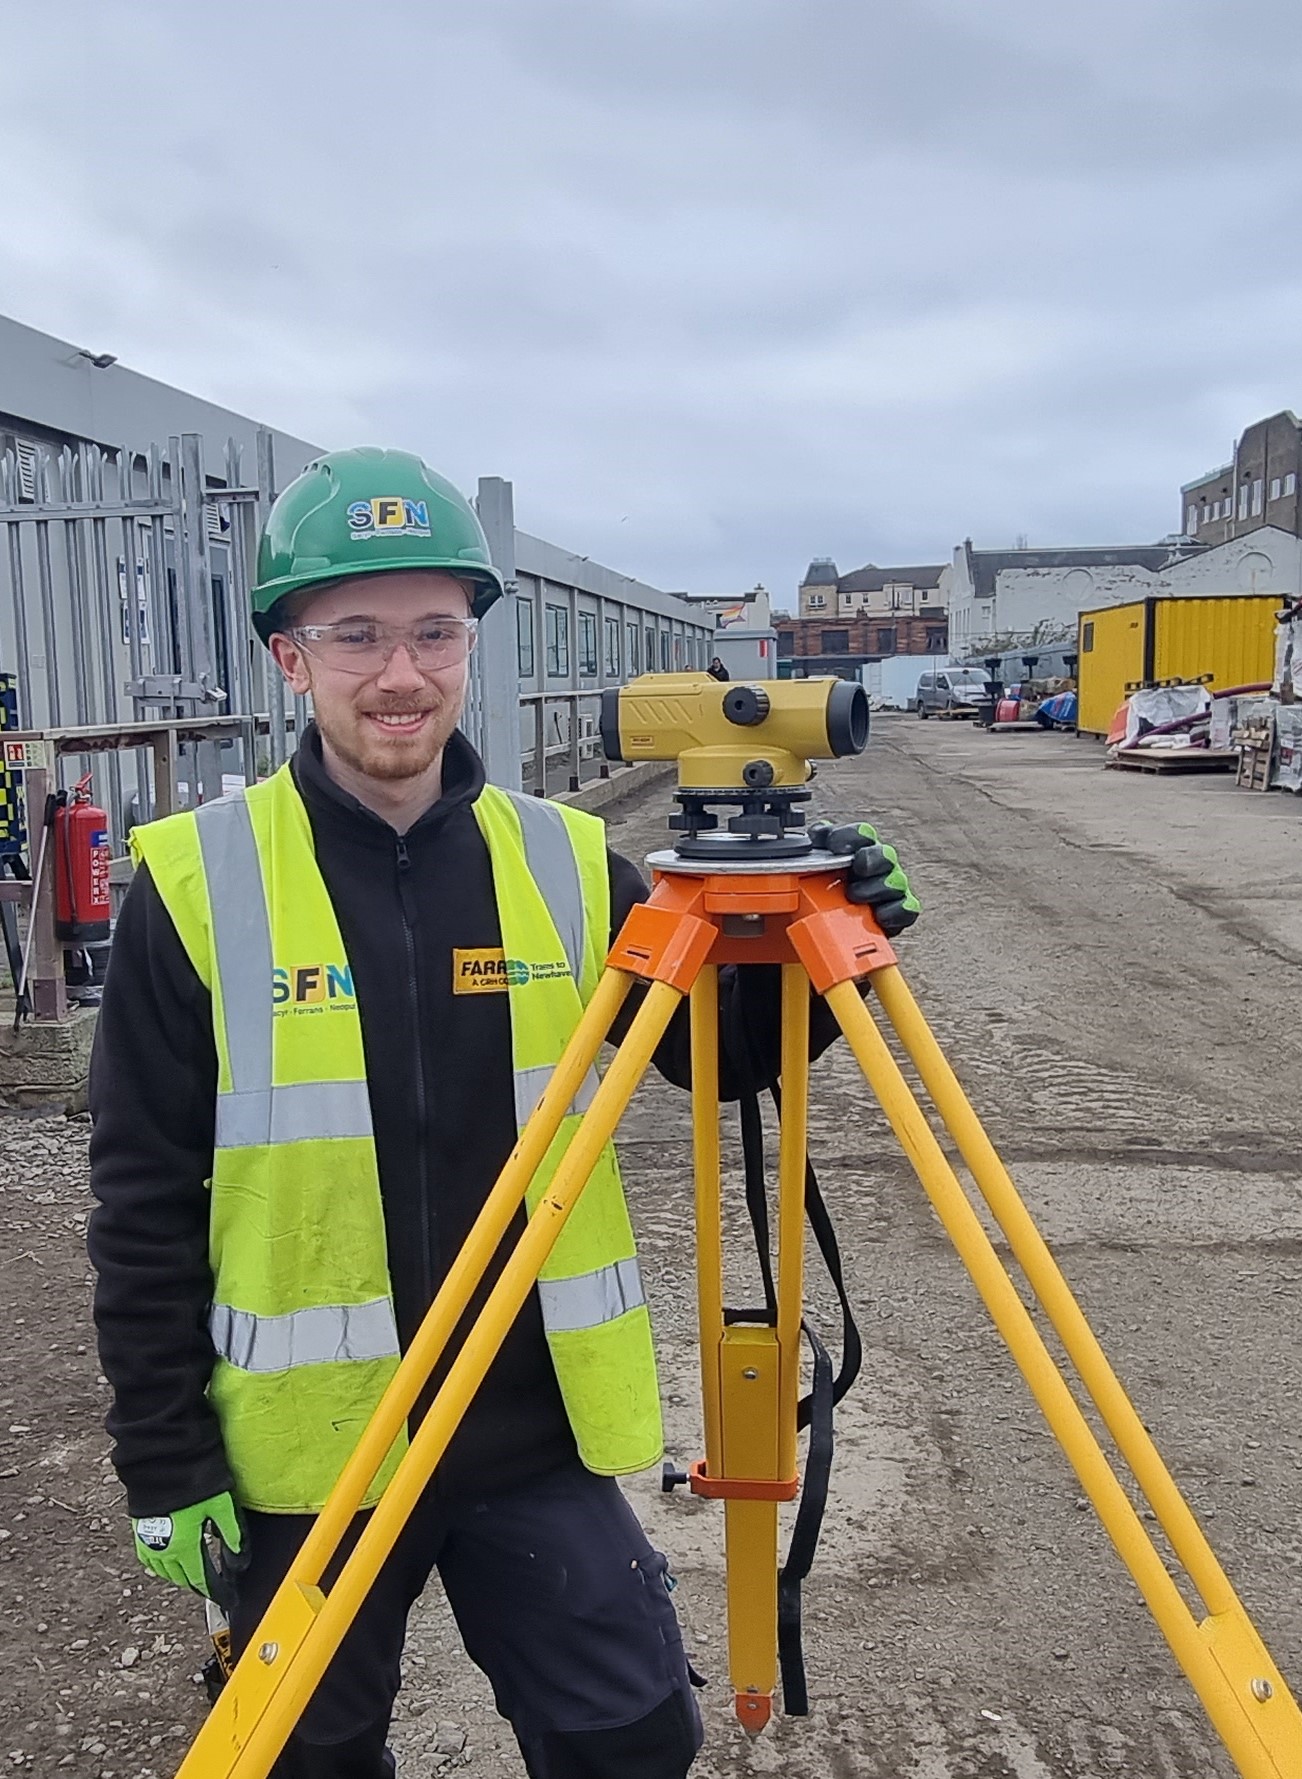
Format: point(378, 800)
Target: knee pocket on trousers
point(661, 1745)
point(363, 1756)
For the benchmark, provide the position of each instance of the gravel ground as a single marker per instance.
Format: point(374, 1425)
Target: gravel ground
point(1110, 962)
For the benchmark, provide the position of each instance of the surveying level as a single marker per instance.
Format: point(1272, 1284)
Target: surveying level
point(762, 894)
point(748, 745)
point(693, 719)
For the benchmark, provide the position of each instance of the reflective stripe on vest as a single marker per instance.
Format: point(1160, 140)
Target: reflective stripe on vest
point(254, 1112)
point(595, 1297)
point(592, 1298)
point(292, 1114)
point(529, 1084)
point(304, 1337)
point(549, 855)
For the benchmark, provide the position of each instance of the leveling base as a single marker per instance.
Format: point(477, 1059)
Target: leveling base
point(796, 915)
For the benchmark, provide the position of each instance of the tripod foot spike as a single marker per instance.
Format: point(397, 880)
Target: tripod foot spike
point(753, 1710)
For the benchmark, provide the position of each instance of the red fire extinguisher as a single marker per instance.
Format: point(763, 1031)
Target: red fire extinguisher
point(81, 869)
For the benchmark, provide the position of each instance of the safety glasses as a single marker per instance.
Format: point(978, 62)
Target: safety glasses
point(363, 645)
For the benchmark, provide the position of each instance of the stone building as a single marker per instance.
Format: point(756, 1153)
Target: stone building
point(1001, 598)
point(808, 647)
point(1257, 487)
point(877, 592)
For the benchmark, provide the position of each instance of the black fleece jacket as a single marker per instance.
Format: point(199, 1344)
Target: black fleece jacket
point(440, 1082)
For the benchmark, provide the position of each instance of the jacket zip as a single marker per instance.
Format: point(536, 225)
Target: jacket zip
point(423, 1181)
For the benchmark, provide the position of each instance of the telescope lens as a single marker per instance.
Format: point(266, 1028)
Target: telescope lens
point(610, 742)
point(847, 719)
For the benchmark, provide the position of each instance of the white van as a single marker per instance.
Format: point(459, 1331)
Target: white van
point(950, 688)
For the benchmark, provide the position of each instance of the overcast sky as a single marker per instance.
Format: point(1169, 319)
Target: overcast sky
point(720, 284)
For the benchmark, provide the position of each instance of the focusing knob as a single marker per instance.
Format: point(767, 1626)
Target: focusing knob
point(745, 705)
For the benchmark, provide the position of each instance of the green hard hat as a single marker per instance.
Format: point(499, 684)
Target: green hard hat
point(368, 511)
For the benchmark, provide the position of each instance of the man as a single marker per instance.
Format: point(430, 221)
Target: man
point(309, 1070)
point(716, 669)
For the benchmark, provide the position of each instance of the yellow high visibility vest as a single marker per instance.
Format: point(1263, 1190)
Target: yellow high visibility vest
point(302, 1319)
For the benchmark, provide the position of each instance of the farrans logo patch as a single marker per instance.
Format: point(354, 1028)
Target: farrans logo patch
point(389, 516)
point(486, 969)
point(479, 970)
point(312, 988)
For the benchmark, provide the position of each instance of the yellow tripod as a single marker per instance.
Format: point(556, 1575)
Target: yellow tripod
point(795, 913)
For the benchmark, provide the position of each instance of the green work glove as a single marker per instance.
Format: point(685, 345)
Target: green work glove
point(171, 1545)
point(875, 878)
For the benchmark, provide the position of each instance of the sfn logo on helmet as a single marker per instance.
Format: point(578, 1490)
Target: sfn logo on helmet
point(389, 515)
point(309, 988)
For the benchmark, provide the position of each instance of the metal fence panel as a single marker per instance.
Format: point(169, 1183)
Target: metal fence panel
point(124, 596)
point(129, 611)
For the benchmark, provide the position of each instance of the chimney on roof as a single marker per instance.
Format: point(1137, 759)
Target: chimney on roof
point(820, 573)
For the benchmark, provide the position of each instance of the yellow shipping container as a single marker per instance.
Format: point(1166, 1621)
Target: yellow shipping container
point(1110, 646)
point(1232, 639)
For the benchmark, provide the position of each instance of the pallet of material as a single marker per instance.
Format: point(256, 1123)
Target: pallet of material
point(1258, 734)
point(1288, 738)
point(1175, 759)
point(1021, 723)
point(1255, 741)
point(1254, 768)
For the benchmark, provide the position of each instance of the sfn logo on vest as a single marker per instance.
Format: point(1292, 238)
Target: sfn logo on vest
point(389, 516)
point(312, 988)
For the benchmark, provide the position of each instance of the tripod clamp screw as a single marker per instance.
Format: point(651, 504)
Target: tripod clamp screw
point(671, 1477)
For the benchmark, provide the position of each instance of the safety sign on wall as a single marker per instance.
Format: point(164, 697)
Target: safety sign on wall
point(26, 756)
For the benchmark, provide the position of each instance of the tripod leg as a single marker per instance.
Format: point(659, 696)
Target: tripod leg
point(1240, 1688)
point(1051, 1289)
point(760, 1369)
point(750, 1360)
point(750, 1385)
point(740, 1383)
point(709, 1209)
point(792, 1156)
point(302, 1629)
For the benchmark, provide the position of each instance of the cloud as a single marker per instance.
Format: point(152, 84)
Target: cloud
point(720, 285)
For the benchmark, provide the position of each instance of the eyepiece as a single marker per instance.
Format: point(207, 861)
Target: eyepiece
point(745, 705)
point(847, 719)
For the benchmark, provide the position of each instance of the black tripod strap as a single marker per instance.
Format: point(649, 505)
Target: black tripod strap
point(816, 1409)
point(824, 1231)
point(757, 1204)
point(745, 1062)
